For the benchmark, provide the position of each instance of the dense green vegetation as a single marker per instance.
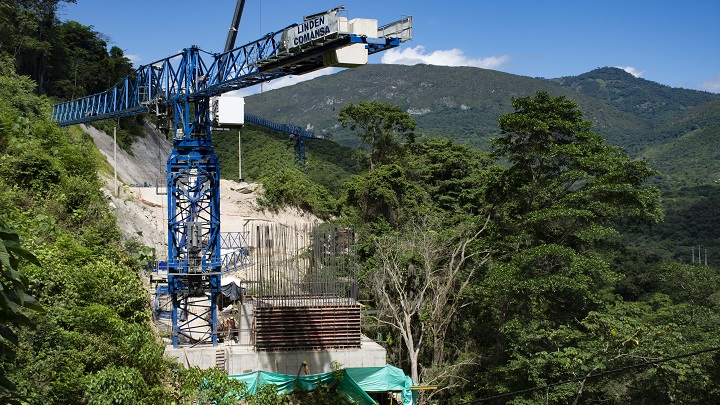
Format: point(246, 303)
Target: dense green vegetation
point(268, 157)
point(496, 279)
point(95, 324)
point(65, 60)
point(505, 245)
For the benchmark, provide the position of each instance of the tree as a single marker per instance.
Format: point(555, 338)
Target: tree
point(118, 65)
point(563, 179)
point(453, 175)
point(13, 299)
point(65, 59)
point(420, 284)
point(385, 127)
point(385, 196)
point(558, 209)
point(33, 34)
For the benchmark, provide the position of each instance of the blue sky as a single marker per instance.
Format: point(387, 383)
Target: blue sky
point(676, 43)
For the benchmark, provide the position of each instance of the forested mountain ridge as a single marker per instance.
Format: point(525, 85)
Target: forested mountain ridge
point(635, 95)
point(507, 275)
point(465, 103)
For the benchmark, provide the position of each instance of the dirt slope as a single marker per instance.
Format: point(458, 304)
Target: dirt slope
point(141, 212)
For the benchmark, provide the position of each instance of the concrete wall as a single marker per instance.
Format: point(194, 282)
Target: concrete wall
point(243, 359)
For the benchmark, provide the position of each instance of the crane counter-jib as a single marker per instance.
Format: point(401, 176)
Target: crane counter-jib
point(195, 74)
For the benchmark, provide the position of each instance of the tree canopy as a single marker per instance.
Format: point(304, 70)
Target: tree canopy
point(537, 299)
point(385, 127)
point(492, 273)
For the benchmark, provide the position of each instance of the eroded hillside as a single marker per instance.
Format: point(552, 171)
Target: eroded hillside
point(140, 204)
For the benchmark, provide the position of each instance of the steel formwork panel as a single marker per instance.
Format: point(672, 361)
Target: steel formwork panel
point(307, 328)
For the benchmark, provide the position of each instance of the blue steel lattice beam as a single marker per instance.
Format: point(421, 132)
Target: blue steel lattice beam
point(297, 132)
point(194, 261)
point(195, 74)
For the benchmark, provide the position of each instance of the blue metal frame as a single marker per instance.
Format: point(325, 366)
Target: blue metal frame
point(194, 262)
point(195, 74)
point(296, 131)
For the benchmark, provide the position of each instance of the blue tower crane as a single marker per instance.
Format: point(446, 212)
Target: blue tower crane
point(181, 87)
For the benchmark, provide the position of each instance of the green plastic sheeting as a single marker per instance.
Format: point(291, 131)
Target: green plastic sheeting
point(354, 382)
point(286, 383)
point(381, 379)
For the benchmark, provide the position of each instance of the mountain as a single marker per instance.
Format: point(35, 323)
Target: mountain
point(463, 103)
point(690, 152)
point(647, 119)
point(637, 96)
point(673, 115)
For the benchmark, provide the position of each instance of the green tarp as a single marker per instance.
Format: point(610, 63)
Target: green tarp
point(354, 382)
point(381, 379)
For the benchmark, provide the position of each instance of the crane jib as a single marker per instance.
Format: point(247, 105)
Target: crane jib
point(194, 74)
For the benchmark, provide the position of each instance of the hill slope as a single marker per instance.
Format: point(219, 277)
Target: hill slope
point(634, 95)
point(465, 103)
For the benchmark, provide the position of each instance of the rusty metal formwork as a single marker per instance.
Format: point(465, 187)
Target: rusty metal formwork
point(304, 288)
point(307, 328)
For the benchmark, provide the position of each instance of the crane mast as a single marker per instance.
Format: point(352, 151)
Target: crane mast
point(179, 88)
point(233, 30)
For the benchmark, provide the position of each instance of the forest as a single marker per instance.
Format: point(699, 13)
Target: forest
point(539, 268)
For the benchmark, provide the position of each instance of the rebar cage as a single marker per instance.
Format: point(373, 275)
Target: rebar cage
point(303, 287)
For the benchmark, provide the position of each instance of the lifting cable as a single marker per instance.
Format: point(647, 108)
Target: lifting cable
point(600, 374)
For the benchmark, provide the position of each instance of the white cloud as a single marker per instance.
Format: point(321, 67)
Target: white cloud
point(712, 85)
point(285, 81)
point(134, 59)
point(633, 71)
point(449, 57)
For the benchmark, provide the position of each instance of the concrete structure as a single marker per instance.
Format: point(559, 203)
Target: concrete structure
point(239, 355)
point(237, 359)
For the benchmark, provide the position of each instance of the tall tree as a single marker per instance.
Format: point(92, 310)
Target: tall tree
point(564, 179)
point(561, 201)
point(33, 36)
point(558, 208)
point(385, 128)
point(419, 287)
point(65, 59)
